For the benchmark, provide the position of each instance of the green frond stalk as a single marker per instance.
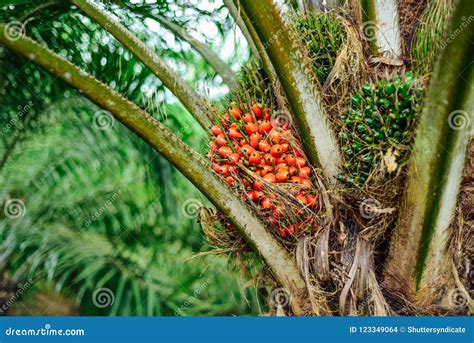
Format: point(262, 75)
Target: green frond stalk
point(34, 9)
point(306, 7)
point(435, 169)
point(297, 83)
point(261, 54)
point(236, 15)
point(189, 163)
point(429, 36)
point(210, 56)
point(381, 28)
point(195, 104)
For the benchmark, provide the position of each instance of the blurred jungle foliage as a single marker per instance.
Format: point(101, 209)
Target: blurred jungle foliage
point(100, 213)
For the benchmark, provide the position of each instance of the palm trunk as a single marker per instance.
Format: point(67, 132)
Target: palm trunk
point(419, 256)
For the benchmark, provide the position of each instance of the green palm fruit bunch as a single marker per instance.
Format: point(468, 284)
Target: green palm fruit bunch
point(323, 36)
point(380, 119)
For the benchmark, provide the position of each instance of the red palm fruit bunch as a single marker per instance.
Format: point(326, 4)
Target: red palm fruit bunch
point(259, 155)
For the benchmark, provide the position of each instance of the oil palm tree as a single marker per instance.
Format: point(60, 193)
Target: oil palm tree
point(145, 228)
point(310, 271)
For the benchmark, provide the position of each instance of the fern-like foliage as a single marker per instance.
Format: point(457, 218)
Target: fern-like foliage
point(101, 209)
point(95, 217)
point(429, 38)
point(323, 35)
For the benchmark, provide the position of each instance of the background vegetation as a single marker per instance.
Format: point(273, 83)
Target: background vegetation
point(101, 209)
